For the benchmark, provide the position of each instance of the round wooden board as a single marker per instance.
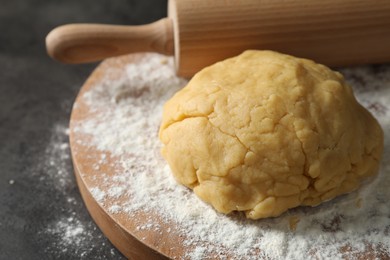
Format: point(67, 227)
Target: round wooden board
point(123, 231)
point(118, 228)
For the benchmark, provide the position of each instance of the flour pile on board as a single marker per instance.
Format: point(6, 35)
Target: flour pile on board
point(128, 113)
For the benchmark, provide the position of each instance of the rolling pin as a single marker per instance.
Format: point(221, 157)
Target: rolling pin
point(201, 32)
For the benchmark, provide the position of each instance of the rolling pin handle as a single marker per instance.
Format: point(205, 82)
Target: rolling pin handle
point(82, 43)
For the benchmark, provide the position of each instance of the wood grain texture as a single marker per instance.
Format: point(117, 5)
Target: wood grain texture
point(79, 43)
point(332, 32)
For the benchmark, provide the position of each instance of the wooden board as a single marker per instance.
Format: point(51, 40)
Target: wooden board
point(122, 231)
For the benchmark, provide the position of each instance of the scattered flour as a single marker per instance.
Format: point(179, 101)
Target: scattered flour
point(70, 230)
point(98, 194)
point(71, 236)
point(55, 162)
point(127, 113)
point(64, 232)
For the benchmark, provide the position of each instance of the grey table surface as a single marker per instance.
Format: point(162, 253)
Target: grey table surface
point(42, 215)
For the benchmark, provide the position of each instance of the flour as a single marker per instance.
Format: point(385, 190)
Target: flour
point(56, 159)
point(70, 235)
point(127, 113)
point(70, 230)
point(63, 231)
point(67, 234)
point(98, 194)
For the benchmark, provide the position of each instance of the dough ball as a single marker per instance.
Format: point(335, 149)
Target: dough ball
point(264, 132)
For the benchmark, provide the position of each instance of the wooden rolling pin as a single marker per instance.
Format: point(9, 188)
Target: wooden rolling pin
point(201, 32)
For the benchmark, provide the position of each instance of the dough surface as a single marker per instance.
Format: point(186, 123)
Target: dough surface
point(264, 132)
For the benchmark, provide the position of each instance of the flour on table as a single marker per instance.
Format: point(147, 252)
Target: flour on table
point(71, 231)
point(128, 113)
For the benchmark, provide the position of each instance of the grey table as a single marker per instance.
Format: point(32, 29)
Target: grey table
point(42, 215)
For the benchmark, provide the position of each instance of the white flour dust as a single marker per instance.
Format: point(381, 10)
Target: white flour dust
point(70, 230)
point(66, 232)
point(128, 113)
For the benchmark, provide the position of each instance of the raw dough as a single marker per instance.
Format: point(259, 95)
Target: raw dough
point(264, 132)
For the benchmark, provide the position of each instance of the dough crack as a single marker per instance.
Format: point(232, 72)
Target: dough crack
point(234, 136)
point(185, 117)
